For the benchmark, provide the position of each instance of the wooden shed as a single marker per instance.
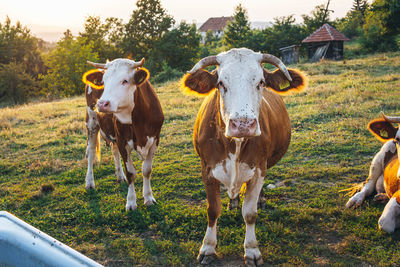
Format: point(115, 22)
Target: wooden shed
point(326, 42)
point(290, 54)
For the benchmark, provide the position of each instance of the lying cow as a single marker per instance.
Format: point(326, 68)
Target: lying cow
point(384, 174)
point(241, 130)
point(129, 118)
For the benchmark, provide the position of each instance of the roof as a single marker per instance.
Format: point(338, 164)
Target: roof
point(215, 24)
point(325, 33)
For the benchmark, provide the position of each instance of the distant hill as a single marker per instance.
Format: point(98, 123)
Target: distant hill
point(51, 33)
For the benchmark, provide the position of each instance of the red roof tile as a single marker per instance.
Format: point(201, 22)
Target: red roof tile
point(325, 33)
point(215, 24)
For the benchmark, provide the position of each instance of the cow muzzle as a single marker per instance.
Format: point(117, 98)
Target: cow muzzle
point(104, 106)
point(242, 127)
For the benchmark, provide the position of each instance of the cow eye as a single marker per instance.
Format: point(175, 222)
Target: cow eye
point(124, 82)
point(261, 84)
point(222, 86)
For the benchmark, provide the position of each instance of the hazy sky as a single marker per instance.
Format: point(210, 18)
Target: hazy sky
point(72, 13)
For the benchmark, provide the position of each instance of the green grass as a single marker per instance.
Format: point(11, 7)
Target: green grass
point(304, 222)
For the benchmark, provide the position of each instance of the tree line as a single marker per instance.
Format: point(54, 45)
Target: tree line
point(29, 69)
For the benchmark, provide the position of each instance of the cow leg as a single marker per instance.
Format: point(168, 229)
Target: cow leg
point(252, 254)
point(375, 172)
point(207, 251)
point(119, 173)
point(146, 170)
point(381, 196)
point(261, 200)
point(92, 142)
point(125, 151)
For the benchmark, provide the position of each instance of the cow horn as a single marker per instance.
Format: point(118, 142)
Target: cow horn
point(204, 62)
point(390, 118)
point(267, 58)
point(138, 64)
point(97, 65)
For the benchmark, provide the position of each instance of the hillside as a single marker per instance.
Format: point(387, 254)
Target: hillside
point(304, 221)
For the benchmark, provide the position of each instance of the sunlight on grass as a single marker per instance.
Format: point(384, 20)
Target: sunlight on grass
point(304, 222)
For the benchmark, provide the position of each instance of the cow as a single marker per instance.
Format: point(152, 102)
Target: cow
point(384, 174)
point(129, 117)
point(241, 130)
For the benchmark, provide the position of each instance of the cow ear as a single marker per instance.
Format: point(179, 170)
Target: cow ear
point(199, 83)
point(94, 78)
point(141, 75)
point(278, 82)
point(382, 129)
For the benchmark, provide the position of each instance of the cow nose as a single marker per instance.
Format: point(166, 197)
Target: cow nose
point(242, 127)
point(103, 105)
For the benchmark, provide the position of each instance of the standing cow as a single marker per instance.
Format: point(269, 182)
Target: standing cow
point(130, 118)
point(384, 174)
point(241, 130)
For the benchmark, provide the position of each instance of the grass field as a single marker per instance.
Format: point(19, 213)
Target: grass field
point(304, 221)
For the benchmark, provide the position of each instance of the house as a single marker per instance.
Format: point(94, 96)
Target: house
point(326, 42)
point(216, 25)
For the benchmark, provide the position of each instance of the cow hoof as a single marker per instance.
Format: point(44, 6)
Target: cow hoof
point(355, 201)
point(234, 204)
point(250, 262)
point(131, 207)
point(89, 187)
point(381, 198)
point(120, 178)
point(206, 259)
point(150, 202)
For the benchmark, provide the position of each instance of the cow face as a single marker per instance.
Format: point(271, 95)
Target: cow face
point(120, 79)
point(240, 80)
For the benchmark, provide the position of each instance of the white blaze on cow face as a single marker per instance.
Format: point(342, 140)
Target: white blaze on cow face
point(119, 89)
point(240, 84)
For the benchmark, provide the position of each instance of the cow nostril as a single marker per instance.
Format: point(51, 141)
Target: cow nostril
point(106, 104)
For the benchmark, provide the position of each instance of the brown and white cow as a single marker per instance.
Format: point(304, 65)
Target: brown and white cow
point(384, 174)
point(129, 118)
point(241, 130)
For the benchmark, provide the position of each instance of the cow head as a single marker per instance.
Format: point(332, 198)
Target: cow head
point(121, 78)
point(240, 80)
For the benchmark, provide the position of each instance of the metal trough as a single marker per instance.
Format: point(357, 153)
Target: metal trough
point(23, 245)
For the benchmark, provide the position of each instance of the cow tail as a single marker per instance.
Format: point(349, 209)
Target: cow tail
point(98, 149)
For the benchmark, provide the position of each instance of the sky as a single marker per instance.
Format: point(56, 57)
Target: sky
point(42, 15)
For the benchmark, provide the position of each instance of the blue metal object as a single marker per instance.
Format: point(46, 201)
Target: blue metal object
point(23, 245)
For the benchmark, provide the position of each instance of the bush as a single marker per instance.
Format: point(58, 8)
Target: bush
point(167, 74)
point(16, 86)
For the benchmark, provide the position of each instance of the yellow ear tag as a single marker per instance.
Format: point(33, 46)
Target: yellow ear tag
point(384, 133)
point(93, 85)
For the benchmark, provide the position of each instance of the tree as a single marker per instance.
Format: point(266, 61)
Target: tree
point(16, 86)
point(382, 25)
point(319, 16)
point(360, 6)
point(180, 46)
point(106, 37)
point(147, 25)
point(66, 65)
point(237, 31)
point(284, 32)
point(19, 46)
